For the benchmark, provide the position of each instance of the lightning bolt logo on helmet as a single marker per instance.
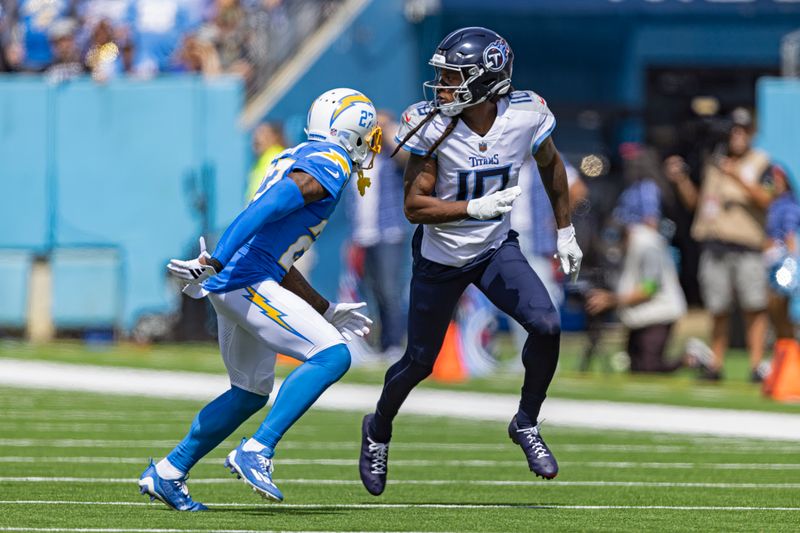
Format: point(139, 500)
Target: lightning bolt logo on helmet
point(348, 102)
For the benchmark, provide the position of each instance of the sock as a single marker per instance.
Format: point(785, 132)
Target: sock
point(299, 391)
point(381, 428)
point(167, 470)
point(400, 380)
point(213, 424)
point(540, 357)
point(252, 445)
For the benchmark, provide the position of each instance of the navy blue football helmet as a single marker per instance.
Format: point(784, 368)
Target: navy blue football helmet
point(483, 58)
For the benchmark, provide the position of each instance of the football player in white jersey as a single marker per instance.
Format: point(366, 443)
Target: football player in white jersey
point(467, 144)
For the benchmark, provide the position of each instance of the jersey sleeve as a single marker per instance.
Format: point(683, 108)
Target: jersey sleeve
point(421, 141)
point(789, 221)
point(327, 164)
point(543, 121)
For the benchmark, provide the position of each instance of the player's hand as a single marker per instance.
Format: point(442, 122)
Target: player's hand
point(345, 318)
point(193, 271)
point(493, 205)
point(569, 253)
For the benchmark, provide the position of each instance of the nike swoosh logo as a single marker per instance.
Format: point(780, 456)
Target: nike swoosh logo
point(332, 173)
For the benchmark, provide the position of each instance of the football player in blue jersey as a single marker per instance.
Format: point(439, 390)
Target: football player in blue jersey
point(468, 143)
point(264, 305)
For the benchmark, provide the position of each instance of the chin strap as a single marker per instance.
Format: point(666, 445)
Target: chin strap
point(363, 182)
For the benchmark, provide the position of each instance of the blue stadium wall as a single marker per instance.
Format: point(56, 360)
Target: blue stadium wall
point(107, 182)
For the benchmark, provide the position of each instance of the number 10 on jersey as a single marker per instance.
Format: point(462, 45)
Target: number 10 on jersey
point(476, 179)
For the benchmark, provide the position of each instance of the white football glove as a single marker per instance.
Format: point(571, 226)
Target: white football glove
point(192, 271)
point(569, 253)
point(344, 317)
point(493, 205)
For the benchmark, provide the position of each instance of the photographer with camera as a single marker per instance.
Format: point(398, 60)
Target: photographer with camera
point(648, 299)
point(729, 219)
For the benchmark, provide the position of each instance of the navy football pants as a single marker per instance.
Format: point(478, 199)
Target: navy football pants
point(511, 284)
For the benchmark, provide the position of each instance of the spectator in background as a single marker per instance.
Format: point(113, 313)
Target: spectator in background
point(114, 12)
point(197, 54)
point(783, 221)
point(30, 45)
point(268, 142)
point(648, 298)
point(228, 31)
point(267, 42)
point(729, 225)
point(380, 233)
point(5, 36)
point(66, 63)
point(103, 57)
point(156, 27)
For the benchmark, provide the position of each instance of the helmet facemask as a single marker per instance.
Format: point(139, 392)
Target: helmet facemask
point(373, 142)
point(472, 90)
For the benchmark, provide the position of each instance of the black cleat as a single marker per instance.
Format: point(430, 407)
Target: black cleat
point(540, 459)
point(373, 463)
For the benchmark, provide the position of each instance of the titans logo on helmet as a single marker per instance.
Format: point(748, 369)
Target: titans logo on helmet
point(495, 56)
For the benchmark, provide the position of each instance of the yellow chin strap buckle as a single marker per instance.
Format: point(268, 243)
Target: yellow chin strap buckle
point(362, 183)
point(374, 141)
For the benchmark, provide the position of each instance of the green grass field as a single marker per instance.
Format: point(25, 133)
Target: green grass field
point(69, 461)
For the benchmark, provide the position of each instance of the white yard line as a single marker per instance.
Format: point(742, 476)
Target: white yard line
point(394, 506)
point(740, 447)
point(476, 463)
point(431, 482)
point(476, 406)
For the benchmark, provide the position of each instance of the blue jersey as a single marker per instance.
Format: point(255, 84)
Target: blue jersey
point(270, 253)
point(783, 217)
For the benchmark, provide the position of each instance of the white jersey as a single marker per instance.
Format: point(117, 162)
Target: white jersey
point(471, 166)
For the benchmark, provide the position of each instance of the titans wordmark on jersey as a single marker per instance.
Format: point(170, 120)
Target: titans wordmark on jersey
point(277, 245)
point(471, 166)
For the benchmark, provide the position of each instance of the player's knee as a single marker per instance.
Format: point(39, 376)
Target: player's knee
point(336, 359)
point(544, 323)
point(248, 401)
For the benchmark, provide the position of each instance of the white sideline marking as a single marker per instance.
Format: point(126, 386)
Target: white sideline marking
point(402, 506)
point(476, 463)
point(728, 448)
point(475, 406)
point(478, 482)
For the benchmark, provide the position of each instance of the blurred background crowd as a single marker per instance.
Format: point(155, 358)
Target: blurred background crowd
point(675, 118)
point(107, 39)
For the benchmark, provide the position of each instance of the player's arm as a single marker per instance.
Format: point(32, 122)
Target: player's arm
point(419, 181)
point(421, 207)
point(554, 178)
point(279, 200)
point(296, 283)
